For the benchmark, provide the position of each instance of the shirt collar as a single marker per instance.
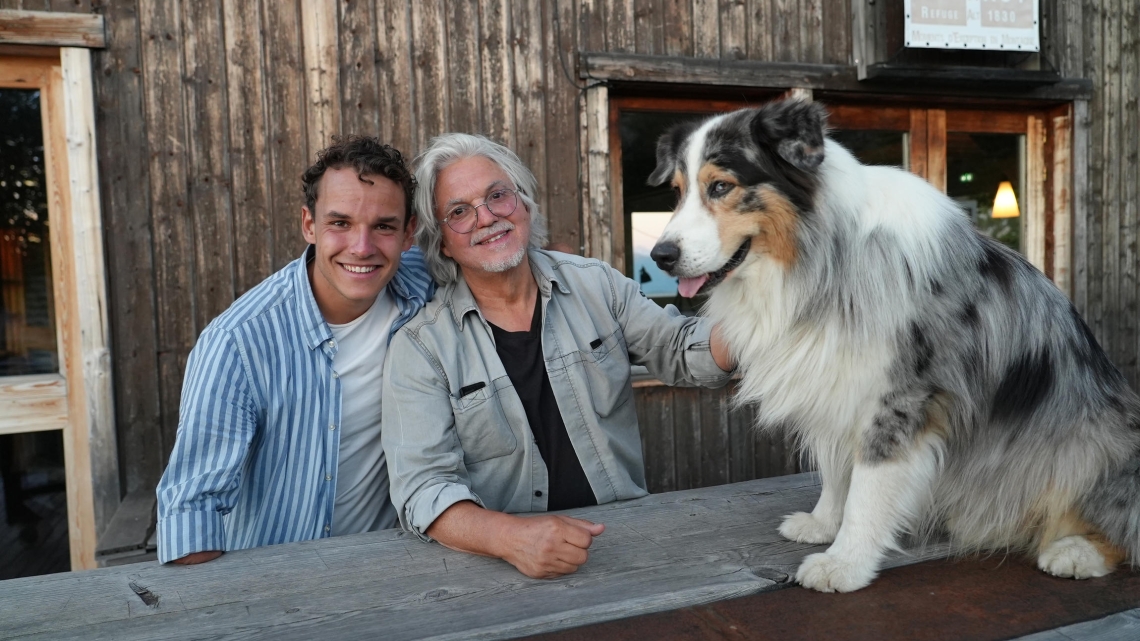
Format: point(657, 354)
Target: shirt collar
point(316, 329)
point(541, 266)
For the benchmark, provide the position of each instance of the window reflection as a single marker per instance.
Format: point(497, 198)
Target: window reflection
point(27, 318)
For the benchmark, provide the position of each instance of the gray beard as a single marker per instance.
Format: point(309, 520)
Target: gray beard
point(506, 262)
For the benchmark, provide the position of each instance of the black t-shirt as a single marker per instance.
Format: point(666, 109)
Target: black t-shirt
point(521, 353)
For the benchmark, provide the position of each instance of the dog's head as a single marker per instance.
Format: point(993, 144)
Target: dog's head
point(744, 180)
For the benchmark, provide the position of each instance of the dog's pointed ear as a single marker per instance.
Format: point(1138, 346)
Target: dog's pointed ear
point(795, 128)
point(670, 146)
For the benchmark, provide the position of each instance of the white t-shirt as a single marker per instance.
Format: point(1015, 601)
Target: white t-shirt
point(361, 503)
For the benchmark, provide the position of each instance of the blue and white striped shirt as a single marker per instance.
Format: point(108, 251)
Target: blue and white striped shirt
point(255, 460)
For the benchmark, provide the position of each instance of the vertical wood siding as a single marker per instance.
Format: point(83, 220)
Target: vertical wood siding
point(208, 110)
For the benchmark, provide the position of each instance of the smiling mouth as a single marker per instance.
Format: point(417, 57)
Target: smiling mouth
point(689, 287)
point(360, 269)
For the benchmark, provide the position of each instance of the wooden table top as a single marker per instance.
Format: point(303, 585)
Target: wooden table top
point(658, 553)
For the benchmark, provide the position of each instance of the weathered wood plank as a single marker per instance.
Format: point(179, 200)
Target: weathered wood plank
point(429, 56)
point(50, 28)
point(1129, 145)
point(677, 16)
point(120, 123)
point(359, 89)
point(596, 234)
point(91, 439)
point(715, 444)
point(661, 552)
point(32, 403)
point(936, 148)
point(811, 30)
point(706, 29)
point(1061, 134)
point(164, 110)
point(836, 17)
point(733, 29)
point(131, 525)
point(655, 409)
point(562, 163)
point(286, 127)
point(620, 31)
point(208, 159)
point(750, 73)
point(649, 26)
point(466, 107)
point(760, 31)
point(1034, 197)
point(498, 71)
point(1111, 180)
point(397, 108)
point(319, 35)
point(1122, 626)
point(687, 432)
point(528, 58)
point(1082, 126)
point(785, 30)
point(249, 147)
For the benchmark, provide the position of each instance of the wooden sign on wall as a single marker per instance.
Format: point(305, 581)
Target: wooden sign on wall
point(1004, 25)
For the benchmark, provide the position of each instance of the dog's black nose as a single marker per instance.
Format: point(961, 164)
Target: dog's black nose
point(665, 255)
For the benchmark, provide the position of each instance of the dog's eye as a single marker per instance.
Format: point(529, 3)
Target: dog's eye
point(719, 188)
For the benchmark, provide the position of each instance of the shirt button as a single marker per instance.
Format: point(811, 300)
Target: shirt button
point(332, 426)
point(328, 477)
point(327, 528)
point(335, 375)
point(538, 493)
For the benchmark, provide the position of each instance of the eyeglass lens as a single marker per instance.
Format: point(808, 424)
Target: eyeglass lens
point(501, 203)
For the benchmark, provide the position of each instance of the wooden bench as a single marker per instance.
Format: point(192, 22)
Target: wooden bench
point(672, 552)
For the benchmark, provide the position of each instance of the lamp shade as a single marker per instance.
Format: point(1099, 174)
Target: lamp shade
point(1005, 203)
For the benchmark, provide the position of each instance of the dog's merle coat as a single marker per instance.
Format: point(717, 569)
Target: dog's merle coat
point(939, 379)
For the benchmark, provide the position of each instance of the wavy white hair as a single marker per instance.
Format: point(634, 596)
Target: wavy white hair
point(444, 151)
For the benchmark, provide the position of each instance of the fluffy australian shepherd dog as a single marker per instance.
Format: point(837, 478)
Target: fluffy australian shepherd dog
point(939, 381)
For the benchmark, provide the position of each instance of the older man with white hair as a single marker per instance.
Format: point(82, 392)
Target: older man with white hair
point(511, 391)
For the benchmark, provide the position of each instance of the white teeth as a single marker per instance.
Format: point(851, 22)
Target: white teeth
point(493, 238)
point(359, 269)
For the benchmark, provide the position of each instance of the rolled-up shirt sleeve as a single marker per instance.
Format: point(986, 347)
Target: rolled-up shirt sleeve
point(673, 347)
point(425, 458)
point(216, 423)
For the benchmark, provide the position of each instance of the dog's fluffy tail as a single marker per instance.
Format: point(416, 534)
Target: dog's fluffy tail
point(1113, 506)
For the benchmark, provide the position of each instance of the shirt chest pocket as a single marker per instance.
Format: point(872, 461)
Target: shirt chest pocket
point(607, 370)
point(481, 424)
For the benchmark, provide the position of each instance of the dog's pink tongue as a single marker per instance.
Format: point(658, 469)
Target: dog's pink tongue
point(688, 287)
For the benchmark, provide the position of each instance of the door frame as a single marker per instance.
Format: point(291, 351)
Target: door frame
point(78, 400)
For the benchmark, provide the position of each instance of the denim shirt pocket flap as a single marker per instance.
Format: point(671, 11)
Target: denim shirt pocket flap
point(482, 426)
point(608, 372)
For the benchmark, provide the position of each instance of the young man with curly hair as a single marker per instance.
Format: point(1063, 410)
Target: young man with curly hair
point(279, 425)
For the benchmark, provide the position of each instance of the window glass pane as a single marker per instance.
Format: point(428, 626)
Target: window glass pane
point(977, 166)
point(873, 147)
point(27, 316)
point(33, 505)
point(647, 209)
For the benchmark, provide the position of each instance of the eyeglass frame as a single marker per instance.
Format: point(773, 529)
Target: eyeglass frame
point(475, 210)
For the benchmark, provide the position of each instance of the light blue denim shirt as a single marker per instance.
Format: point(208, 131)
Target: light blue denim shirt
point(444, 447)
point(255, 460)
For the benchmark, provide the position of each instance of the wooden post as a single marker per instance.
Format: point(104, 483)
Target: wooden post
point(1062, 201)
point(597, 235)
point(1034, 196)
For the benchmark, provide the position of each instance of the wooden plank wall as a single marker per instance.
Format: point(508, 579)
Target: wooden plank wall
point(208, 110)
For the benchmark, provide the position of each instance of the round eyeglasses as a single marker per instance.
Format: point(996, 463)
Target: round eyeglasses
point(462, 217)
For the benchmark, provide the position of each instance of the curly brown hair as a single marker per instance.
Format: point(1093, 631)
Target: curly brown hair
point(369, 157)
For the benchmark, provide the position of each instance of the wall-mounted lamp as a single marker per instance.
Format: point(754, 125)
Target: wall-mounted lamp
point(1005, 203)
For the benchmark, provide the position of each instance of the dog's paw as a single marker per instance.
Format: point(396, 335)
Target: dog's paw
point(805, 528)
point(828, 573)
point(1073, 557)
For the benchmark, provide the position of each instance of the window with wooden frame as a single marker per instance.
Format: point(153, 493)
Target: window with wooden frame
point(56, 347)
point(971, 154)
